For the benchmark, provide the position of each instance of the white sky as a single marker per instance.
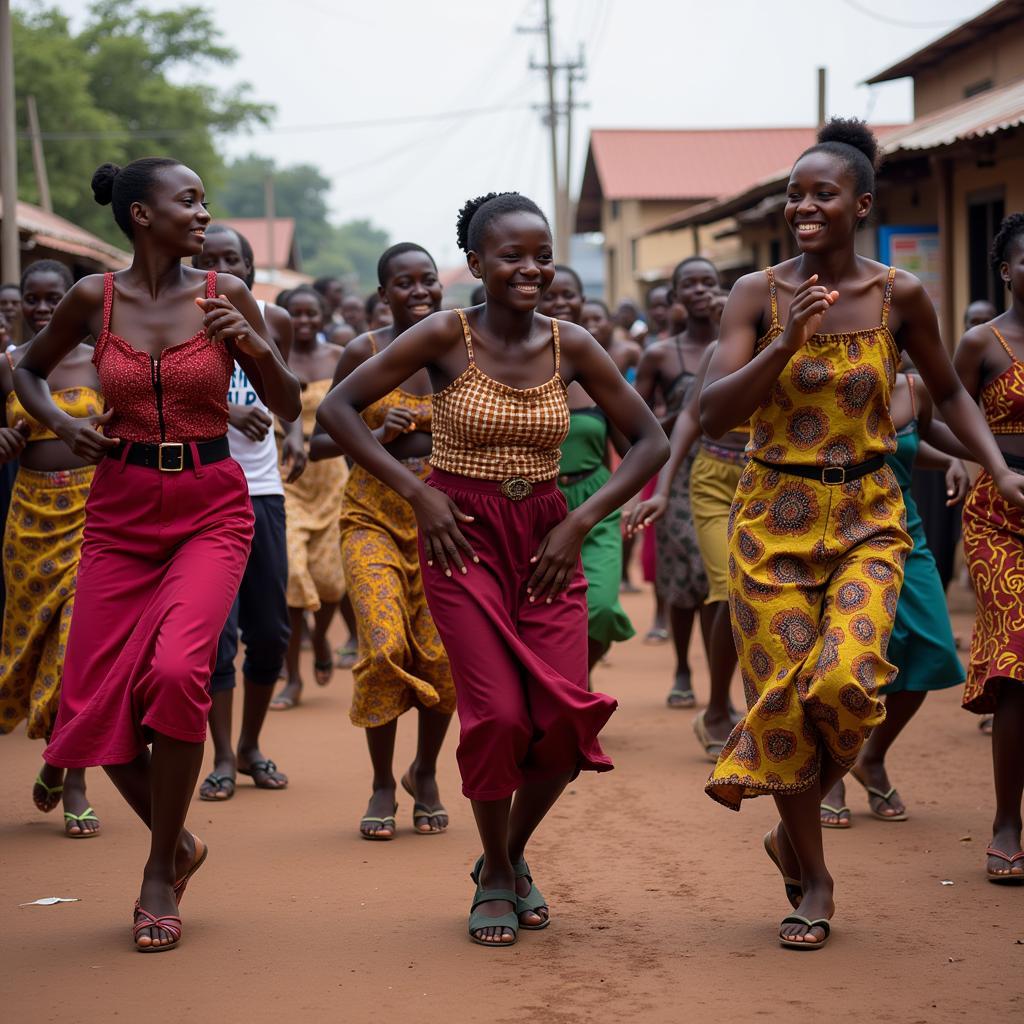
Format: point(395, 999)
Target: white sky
point(651, 63)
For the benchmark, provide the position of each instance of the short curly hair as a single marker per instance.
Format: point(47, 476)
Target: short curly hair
point(1010, 231)
point(477, 213)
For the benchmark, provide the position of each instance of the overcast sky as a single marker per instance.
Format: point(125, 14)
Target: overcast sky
point(650, 63)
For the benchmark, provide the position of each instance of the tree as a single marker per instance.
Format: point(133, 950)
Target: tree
point(352, 250)
point(106, 94)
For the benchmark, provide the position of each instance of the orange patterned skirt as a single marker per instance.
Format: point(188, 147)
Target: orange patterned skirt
point(994, 550)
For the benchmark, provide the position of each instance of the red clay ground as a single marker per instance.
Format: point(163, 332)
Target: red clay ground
point(665, 907)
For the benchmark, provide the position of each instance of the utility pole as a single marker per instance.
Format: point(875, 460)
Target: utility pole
point(822, 95)
point(38, 158)
point(10, 257)
point(574, 72)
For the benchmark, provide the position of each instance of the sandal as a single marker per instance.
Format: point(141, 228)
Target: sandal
point(53, 794)
point(181, 884)
point(283, 703)
point(348, 655)
point(794, 889)
point(87, 815)
point(267, 768)
point(532, 902)
point(478, 920)
point(168, 923)
point(712, 747)
point(681, 695)
point(217, 788)
point(885, 797)
point(388, 822)
point(323, 671)
point(839, 812)
point(1005, 878)
point(421, 812)
point(985, 725)
point(822, 923)
point(656, 636)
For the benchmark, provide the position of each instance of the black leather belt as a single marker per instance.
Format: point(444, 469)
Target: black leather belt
point(171, 457)
point(565, 479)
point(832, 475)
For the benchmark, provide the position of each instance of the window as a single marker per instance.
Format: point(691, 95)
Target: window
point(985, 211)
point(975, 87)
point(615, 209)
point(774, 252)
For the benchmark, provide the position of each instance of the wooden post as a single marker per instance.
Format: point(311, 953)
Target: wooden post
point(10, 256)
point(38, 158)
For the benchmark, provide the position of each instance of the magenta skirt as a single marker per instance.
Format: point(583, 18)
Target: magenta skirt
point(520, 669)
point(162, 558)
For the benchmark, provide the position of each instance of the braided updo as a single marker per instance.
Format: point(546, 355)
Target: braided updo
point(121, 186)
point(477, 213)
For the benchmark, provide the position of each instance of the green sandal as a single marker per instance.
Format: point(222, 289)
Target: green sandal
point(388, 822)
point(532, 902)
point(479, 921)
point(53, 794)
point(87, 815)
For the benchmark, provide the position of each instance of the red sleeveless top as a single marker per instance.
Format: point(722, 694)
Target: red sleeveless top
point(181, 395)
point(1002, 398)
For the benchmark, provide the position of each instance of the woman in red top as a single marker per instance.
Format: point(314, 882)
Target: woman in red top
point(168, 521)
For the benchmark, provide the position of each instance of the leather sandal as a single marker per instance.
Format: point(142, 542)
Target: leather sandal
point(217, 788)
point(203, 852)
point(1005, 878)
point(822, 923)
point(266, 767)
point(168, 923)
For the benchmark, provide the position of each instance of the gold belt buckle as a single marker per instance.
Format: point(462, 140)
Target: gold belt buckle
point(833, 476)
point(171, 457)
point(515, 488)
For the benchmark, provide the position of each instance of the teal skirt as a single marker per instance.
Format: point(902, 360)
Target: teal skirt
point(602, 564)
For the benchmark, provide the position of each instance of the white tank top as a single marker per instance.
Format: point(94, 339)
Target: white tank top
point(258, 459)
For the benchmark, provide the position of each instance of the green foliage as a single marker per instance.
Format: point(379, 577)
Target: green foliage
point(113, 80)
point(352, 250)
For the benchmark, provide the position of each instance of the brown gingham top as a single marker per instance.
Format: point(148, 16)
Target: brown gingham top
point(492, 431)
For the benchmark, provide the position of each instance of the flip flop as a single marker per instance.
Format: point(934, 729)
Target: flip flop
point(168, 923)
point(323, 671)
point(479, 920)
point(53, 794)
point(822, 923)
point(182, 883)
point(656, 637)
point(1010, 859)
point(885, 797)
point(839, 812)
point(216, 784)
point(87, 815)
point(388, 822)
point(283, 703)
point(421, 812)
point(794, 889)
point(266, 767)
point(712, 747)
point(985, 725)
point(681, 696)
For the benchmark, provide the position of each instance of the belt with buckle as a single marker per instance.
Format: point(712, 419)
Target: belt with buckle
point(831, 475)
point(567, 479)
point(515, 488)
point(171, 457)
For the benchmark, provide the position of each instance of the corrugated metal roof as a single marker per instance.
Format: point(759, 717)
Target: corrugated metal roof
point(63, 235)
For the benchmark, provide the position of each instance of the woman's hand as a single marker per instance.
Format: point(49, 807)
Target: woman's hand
point(82, 435)
point(293, 458)
point(646, 513)
point(223, 322)
point(555, 561)
point(958, 482)
point(13, 441)
point(1011, 486)
point(250, 420)
point(398, 421)
point(810, 304)
point(438, 518)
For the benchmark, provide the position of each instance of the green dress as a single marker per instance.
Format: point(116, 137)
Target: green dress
point(922, 645)
point(583, 451)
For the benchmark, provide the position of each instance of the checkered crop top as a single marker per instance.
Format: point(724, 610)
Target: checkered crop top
point(492, 431)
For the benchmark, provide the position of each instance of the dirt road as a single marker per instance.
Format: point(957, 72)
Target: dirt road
point(665, 907)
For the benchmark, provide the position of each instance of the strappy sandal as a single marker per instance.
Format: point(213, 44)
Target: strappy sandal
point(421, 812)
point(712, 747)
point(388, 822)
point(182, 883)
point(1011, 859)
point(168, 923)
point(531, 903)
point(794, 888)
point(211, 788)
point(53, 794)
point(478, 920)
point(839, 812)
point(885, 797)
point(822, 923)
point(266, 767)
point(87, 815)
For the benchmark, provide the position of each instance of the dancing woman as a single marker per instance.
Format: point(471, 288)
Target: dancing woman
point(990, 365)
point(168, 521)
point(403, 664)
point(817, 540)
point(500, 553)
point(42, 547)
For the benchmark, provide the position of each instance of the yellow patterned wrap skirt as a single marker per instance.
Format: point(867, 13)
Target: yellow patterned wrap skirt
point(713, 482)
point(42, 547)
point(402, 661)
point(814, 578)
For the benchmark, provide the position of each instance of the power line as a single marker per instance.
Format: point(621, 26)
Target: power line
point(898, 22)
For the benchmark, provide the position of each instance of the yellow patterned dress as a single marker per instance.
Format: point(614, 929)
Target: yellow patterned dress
point(402, 660)
point(815, 569)
point(41, 551)
point(312, 505)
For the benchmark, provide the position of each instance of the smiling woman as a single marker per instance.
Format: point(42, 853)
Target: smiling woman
point(168, 523)
point(500, 555)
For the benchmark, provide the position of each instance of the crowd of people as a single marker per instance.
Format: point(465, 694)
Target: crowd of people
point(189, 471)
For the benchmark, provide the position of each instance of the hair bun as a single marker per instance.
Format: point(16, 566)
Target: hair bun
point(103, 183)
point(853, 132)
